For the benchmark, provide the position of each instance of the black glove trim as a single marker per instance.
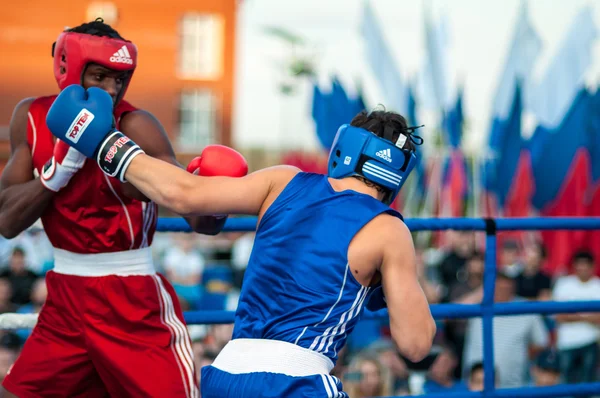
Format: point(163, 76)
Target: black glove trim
point(116, 153)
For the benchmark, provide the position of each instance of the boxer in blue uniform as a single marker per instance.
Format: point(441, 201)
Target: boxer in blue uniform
point(326, 246)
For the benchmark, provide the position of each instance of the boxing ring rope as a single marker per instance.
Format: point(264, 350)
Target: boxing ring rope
point(486, 310)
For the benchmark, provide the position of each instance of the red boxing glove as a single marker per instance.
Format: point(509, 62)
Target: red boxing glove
point(219, 160)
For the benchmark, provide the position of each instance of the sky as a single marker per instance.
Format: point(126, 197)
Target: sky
point(479, 33)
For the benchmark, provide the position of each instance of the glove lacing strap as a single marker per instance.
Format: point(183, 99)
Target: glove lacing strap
point(116, 153)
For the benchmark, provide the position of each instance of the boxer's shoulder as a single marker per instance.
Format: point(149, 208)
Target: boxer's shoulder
point(280, 176)
point(19, 120)
point(384, 230)
point(22, 107)
point(137, 121)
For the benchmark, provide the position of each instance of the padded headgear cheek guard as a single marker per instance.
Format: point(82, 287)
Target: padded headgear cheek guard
point(73, 52)
point(356, 151)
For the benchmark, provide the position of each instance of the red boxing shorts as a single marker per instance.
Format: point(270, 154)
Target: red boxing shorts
point(110, 326)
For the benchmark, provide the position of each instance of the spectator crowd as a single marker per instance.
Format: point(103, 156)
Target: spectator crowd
point(207, 274)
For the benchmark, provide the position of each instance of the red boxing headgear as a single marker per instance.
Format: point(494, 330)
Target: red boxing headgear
point(72, 53)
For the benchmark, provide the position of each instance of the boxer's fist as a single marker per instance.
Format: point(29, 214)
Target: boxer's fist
point(84, 120)
point(219, 160)
point(63, 165)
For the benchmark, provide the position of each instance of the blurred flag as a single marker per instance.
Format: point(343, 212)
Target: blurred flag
point(382, 63)
point(331, 110)
point(412, 196)
point(505, 145)
point(419, 170)
point(594, 189)
point(561, 167)
point(506, 164)
point(454, 181)
point(564, 77)
point(504, 158)
point(436, 89)
point(524, 51)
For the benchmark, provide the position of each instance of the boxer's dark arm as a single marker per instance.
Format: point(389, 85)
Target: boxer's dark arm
point(149, 134)
point(23, 199)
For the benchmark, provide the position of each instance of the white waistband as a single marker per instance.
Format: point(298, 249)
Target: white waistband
point(125, 263)
point(258, 355)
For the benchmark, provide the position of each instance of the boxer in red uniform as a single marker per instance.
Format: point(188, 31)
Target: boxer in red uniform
point(111, 326)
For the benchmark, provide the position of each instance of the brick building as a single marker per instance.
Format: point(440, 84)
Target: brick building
point(185, 64)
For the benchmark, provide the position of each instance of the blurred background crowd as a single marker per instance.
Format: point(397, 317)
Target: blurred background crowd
point(207, 273)
point(507, 91)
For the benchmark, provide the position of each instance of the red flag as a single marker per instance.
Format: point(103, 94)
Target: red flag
point(518, 200)
point(570, 202)
point(593, 236)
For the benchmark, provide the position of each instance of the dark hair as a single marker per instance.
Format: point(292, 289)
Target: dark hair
point(18, 250)
point(382, 123)
point(477, 255)
point(97, 27)
point(475, 367)
point(378, 120)
point(583, 255)
point(542, 249)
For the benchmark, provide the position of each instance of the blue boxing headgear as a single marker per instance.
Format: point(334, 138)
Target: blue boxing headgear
point(356, 151)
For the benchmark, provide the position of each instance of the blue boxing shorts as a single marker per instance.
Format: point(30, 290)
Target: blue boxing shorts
point(253, 368)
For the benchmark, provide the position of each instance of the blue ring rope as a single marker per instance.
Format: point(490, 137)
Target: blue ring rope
point(172, 224)
point(487, 309)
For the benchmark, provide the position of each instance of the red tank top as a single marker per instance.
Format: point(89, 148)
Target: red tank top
point(91, 214)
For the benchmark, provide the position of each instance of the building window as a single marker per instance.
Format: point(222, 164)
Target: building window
point(201, 47)
point(198, 119)
point(102, 9)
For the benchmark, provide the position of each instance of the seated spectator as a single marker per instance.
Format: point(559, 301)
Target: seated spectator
point(452, 267)
point(471, 281)
point(578, 334)
point(475, 377)
point(197, 335)
point(532, 283)
point(546, 369)
point(218, 336)
point(9, 351)
point(5, 296)
point(387, 353)
point(515, 337)
point(240, 254)
point(367, 377)
point(468, 291)
point(183, 266)
point(509, 258)
point(21, 279)
point(440, 377)
point(39, 293)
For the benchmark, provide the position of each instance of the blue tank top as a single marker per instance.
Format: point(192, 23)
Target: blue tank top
point(298, 286)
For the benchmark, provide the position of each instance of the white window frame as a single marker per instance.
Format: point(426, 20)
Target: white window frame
point(199, 120)
point(201, 46)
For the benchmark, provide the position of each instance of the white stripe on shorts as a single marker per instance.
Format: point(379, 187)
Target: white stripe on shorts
point(180, 344)
point(327, 386)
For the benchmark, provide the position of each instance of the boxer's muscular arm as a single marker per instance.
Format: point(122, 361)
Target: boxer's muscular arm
point(149, 134)
point(23, 199)
point(412, 326)
point(185, 193)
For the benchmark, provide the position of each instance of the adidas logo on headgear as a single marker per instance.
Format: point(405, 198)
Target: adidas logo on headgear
point(122, 56)
point(385, 154)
